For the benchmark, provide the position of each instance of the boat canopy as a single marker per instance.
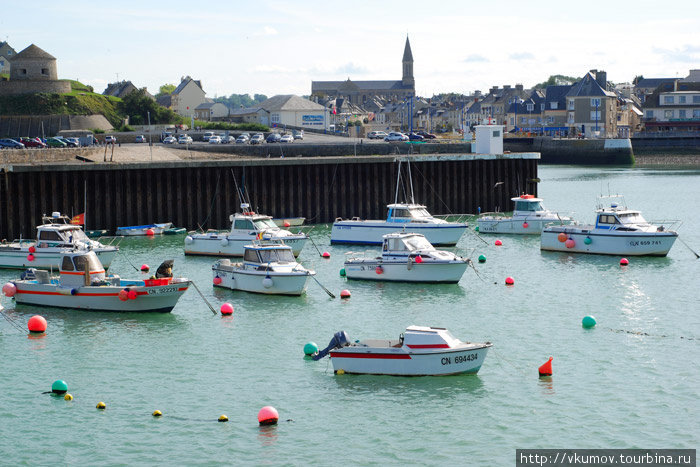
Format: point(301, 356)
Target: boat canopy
point(528, 203)
point(256, 222)
point(268, 254)
point(406, 242)
point(408, 213)
point(62, 233)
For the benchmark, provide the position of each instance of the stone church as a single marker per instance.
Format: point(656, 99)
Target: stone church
point(359, 92)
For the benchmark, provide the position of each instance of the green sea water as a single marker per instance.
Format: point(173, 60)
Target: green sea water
point(631, 382)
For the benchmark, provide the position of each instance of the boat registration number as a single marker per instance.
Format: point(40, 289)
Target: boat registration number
point(645, 242)
point(459, 359)
point(164, 290)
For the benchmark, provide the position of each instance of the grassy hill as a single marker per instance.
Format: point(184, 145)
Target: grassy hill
point(80, 101)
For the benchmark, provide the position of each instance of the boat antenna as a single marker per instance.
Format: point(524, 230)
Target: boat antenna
point(410, 179)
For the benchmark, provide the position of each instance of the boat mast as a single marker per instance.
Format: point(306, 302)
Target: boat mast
point(84, 204)
point(398, 182)
point(410, 180)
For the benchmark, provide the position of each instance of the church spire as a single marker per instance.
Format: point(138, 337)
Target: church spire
point(407, 62)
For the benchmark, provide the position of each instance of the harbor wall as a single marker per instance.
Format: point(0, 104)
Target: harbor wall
point(203, 193)
point(575, 151)
point(675, 144)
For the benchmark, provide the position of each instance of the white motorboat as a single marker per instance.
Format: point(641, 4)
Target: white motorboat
point(54, 236)
point(400, 217)
point(419, 351)
point(82, 284)
point(617, 231)
point(408, 257)
point(246, 226)
point(267, 268)
point(144, 230)
point(289, 221)
point(529, 217)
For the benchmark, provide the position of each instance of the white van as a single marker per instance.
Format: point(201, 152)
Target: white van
point(207, 135)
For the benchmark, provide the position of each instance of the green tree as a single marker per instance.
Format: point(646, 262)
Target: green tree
point(138, 104)
point(637, 79)
point(165, 89)
point(557, 80)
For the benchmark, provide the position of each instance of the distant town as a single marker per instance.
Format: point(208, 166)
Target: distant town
point(591, 106)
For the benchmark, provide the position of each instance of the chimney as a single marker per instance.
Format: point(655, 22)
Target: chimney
point(493, 90)
point(518, 87)
point(506, 87)
point(602, 78)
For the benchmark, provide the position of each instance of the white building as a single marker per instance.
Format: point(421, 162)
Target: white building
point(291, 110)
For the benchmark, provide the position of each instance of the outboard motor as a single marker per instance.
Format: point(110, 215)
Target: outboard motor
point(165, 269)
point(340, 340)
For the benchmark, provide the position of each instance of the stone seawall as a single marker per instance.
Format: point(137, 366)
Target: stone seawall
point(666, 145)
point(8, 88)
point(575, 151)
point(35, 156)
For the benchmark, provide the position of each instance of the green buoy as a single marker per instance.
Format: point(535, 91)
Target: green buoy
point(59, 387)
point(342, 272)
point(476, 229)
point(482, 258)
point(587, 240)
point(310, 349)
point(588, 322)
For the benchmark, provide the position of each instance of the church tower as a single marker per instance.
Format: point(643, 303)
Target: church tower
point(407, 61)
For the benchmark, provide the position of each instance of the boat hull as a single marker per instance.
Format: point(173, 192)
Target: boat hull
point(426, 272)
point(399, 362)
point(46, 258)
point(515, 226)
point(141, 230)
point(371, 232)
point(618, 243)
point(252, 281)
point(212, 245)
point(103, 298)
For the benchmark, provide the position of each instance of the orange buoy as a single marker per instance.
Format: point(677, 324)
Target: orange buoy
point(268, 415)
point(498, 243)
point(546, 368)
point(562, 237)
point(624, 262)
point(345, 293)
point(123, 295)
point(36, 324)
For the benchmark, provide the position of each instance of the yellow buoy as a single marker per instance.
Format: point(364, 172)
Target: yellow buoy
point(340, 372)
point(157, 413)
point(101, 405)
point(68, 397)
point(223, 418)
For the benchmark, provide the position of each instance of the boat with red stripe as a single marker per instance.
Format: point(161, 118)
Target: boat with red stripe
point(82, 284)
point(419, 351)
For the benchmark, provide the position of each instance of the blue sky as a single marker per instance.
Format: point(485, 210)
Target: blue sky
point(279, 47)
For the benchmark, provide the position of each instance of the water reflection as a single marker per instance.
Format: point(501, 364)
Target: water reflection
point(546, 385)
point(267, 436)
point(413, 388)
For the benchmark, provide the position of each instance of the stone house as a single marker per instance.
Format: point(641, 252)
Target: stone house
point(121, 89)
point(33, 70)
point(591, 108)
point(555, 109)
point(186, 97)
point(6, 53)
point(673, 107)
point(211, 111)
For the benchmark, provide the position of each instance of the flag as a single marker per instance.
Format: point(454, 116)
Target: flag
point(79, 219)
point(334, 111)
point(259, 236)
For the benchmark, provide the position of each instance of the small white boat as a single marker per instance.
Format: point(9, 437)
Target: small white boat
point(419, 351)
point(400, 217)
point(82, 284)
point(53, 237)
point(617, 231)
point(289, 221)
point(408, 257)
point(141, 230)
point(529, 217)
point(246, 226)
point(268, 268)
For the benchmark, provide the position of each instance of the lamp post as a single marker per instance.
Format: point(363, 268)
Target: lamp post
point(150, 135)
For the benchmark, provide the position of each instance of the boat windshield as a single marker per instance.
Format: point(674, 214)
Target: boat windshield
point(277, 256)
point(264, 224)
point(529, 206)
point(417, 243)
point(420, 213)
point(632, 218)
point(76, 235)
point(90, 260)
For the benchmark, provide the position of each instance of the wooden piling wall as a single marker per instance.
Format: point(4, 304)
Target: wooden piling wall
point(203, 194)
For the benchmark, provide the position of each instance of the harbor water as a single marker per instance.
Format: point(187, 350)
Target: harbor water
point(633, 381)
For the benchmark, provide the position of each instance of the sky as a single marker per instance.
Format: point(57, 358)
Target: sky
point(278, 47)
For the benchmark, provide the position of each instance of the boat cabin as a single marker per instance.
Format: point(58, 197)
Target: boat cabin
point(425, 337)
point(248, 220)
point(614, 218)
point(81, 268)
point(265, 254)
point(527, 203)
point(408, 213)
point(51, 235)
point(405, 243)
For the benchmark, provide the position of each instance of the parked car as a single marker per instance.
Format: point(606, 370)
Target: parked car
point(228, 139)
point(298, 134)
point(215, 139)
point(377, 134)
point(287, 139)
point(109, 139)
point(247, 135)
point(273, 138)
point(169, 140)
point(415, 137)
point(207, 135)
point(10, 144)
point(395, 136)
point(257, 138)
point(76, 141)
point(426, 135)
point(140, 139)
point(55, 143)
point(242, 139)
point(32, 142)
point(69, 143)
point(184, 139)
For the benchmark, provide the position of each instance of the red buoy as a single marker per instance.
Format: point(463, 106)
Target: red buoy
point(287, 224)
point(145, 268)
point(132, 294)
point(268, 415)
point(30, 257)
point(32, 249)
point(345, 293)
point(226, 309)
point(570, 243)
point(546, 368)
point(9, 289)
point(562, 237)
point(123, 295)
point(217, 280)
point(36, 324)
point(624, 262)
point(326, 254)
point(498, 243)
point(510, 280)
point(419, 259)
point(150, 232)
point(525, 225)
point(379, 269)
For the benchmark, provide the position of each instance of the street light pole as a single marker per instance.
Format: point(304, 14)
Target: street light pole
point(150, 135)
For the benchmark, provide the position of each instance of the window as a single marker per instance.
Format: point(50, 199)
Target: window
point(650, 114)
point(251, 256)
point(497, 133)
point(553, 105)
point(570, 119)
point(681, 99)
point(275, 118)
point(595, 115)
point(550, 119)
point(2, 63)
point(401, 213)
point(67, 264)
point(696, 99)
point(668, 113)
point(23, 71)
point(523, 120)
point(512, 121)
point(572, 104)
point(542, 107)
point(243, 224)
point(595, 102)
point(681, 113)
point(696, 113)
point(50, 235)
point(530, 107)
point(668, 99)
point(45, 71)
